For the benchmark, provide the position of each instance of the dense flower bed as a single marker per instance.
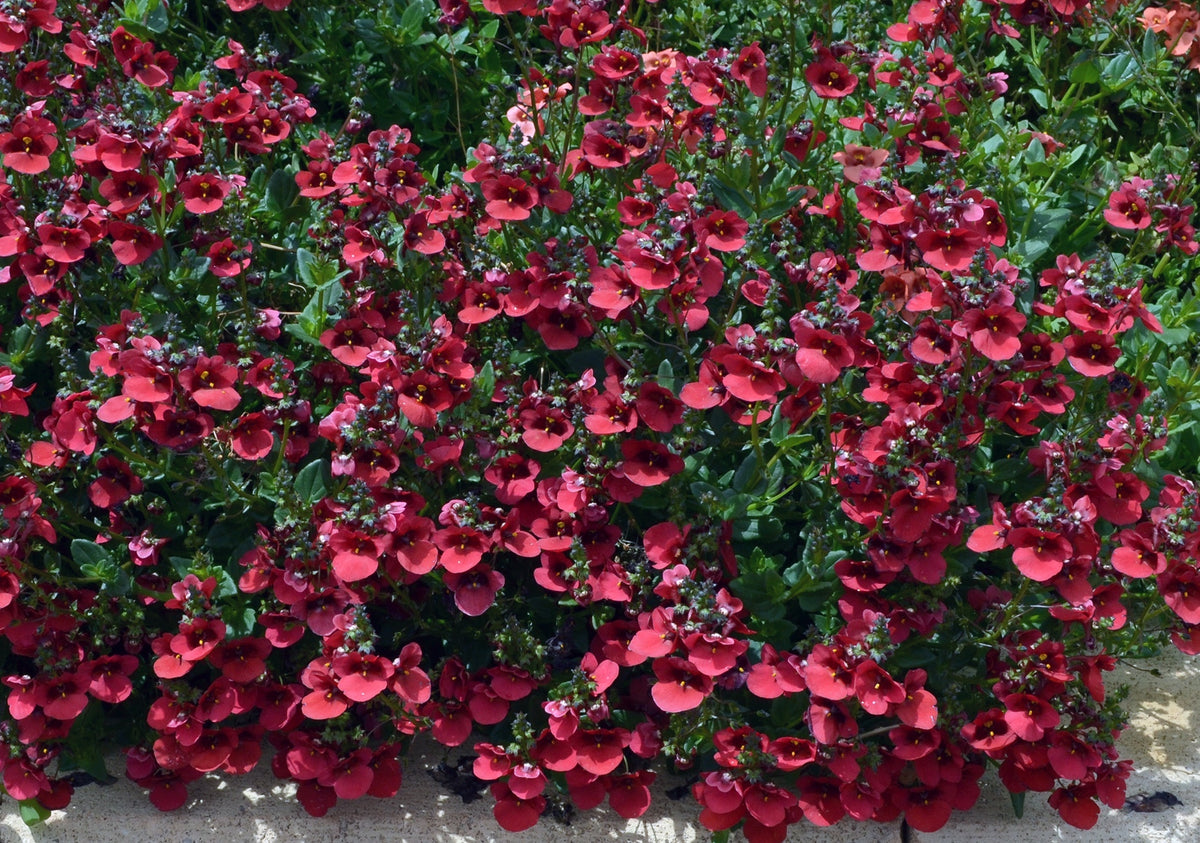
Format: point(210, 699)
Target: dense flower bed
point(799, 401)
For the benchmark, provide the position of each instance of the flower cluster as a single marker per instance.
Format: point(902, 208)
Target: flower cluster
point(724, 407)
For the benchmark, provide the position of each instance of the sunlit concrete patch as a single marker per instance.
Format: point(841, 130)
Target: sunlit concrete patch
point(1162, 741)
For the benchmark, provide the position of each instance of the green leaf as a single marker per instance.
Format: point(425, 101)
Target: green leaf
point(733, 198)
point(747, 472)
point(94, 561)
point(1150, 47)
point(86, 552)
point(1085, 73)
point(1018, 803)
point(240, 621)
point(1171, 337)
point(157, 20)
point(1118, 73)
point(32, 812)
point(311, 483)
point(313, 318)
point(300, 334)
point(306, 263)
point(486, 381)
point(282, 191)
point(1035, 153)
point(666, 374)
point(415, 16)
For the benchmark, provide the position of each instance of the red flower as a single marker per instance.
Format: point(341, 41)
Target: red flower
point(913, 513)
point(462, 548)
point(64, 697)
point(949, 251)
point(203, 193)
point(1092, 354)
point(362, 676)
point(769, 805)
point(355, 554)
point(1076, 804)
point(821, 355)
point(197, 639)
point(419, 237)
point(251, 437)
point(861, 163)
point(827, 675)
point(603, 144)
point(629, 794)
point(1127, 208)
point(512, 812)
point(1039, 554)
point(680, 686)
point(243, 660)
point(152, 69)
point(750, 67)
point(64, 245)
point(1138, 557)
point(227, 259)
point(132, 244)
point(750, 381)
point(22, 780)
point(989, 731)
point(508, 198)
point(1180, 589)
point(927, 809)
point(600, 751)
point(326, 700)
point(27, 146)
point(995, 331)
point(820, 800)
point(830, 79)
point(210, 380)
point(648, 463)
point(228, 106)
point(409, 682)
point(127, 191)
point(545, 428)
point(118, 153)
point(919, 709)
point(475, 590)
point(875, 689)
point(721, 231)
point(109, 677)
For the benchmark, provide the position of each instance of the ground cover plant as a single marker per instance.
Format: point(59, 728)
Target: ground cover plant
point(795, 399)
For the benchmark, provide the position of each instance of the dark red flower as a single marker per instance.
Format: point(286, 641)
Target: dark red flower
point(750, 67)
point(474, 590)
point(1076, 804)
point(949, 251)
point(648, 463)
point(830, 79)
point(26, 147)
point(203, 193)
point(1092, 354)
point(680, 686)
point(1127, 207)
point(512, 812)
point(1039, 554)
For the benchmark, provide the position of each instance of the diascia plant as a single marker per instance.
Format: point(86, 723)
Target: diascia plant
point(808, 415)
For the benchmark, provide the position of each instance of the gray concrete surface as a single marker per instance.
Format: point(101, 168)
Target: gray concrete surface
point(1163, 741)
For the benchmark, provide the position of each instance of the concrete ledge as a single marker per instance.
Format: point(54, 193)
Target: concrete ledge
point(1163, 741)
